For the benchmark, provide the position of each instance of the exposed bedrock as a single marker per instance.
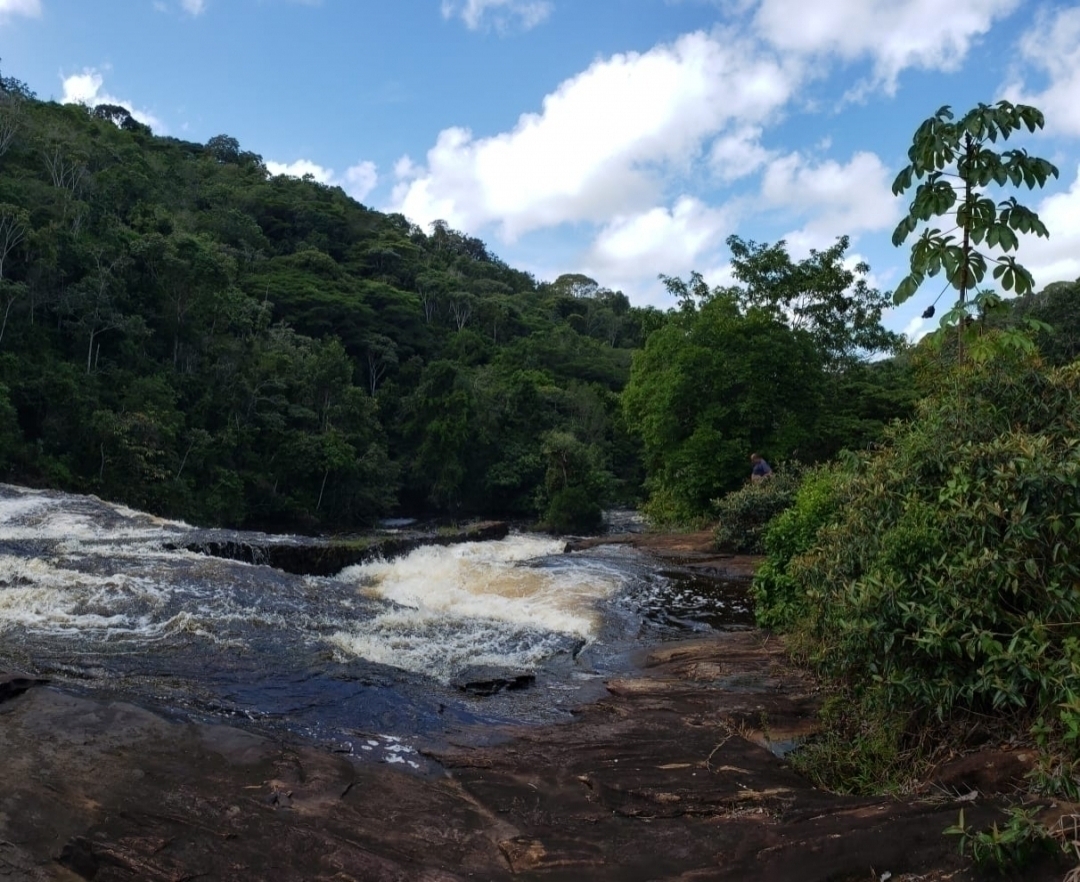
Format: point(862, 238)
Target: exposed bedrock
point(675, 775)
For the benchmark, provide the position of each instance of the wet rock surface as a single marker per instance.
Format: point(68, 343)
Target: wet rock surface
point(309, 556)
point(671, 776)
point(487, 680)
point(689, 553)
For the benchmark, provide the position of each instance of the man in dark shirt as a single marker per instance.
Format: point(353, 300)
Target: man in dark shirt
point(760, 469)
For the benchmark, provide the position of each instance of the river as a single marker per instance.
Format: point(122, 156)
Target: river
point(370, 662)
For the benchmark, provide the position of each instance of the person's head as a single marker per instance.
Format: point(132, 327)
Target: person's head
point(755, 457)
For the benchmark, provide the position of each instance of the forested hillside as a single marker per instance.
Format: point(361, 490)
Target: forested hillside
point(184, 332)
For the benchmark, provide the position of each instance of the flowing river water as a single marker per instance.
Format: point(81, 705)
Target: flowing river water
point(371, 661)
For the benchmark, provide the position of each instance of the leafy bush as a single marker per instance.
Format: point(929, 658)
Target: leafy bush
point(946, 584)
point(575, 485)
point(1008, 845)
point(573, 510)
point(858, 750)
point(778, 602)
point(743, 513)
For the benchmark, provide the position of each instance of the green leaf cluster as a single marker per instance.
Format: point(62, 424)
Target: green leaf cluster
point(952, 162)
point(816, 501)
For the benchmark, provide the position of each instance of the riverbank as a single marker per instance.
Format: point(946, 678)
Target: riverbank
point(676, 773)
point(691, 552)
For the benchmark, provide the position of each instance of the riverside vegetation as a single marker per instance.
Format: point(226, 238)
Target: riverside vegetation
point(183, 332)
point(933, 580)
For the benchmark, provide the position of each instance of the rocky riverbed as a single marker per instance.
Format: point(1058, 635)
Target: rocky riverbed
point(675, 774)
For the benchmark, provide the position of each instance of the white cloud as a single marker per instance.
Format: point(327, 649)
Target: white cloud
point(300, 168)
point(739, 154)
point(502, 14)
point(917, 328)
point(27, 8)
point(895, 34)
point(193, 7)
point(839, 199)
point(358, 181)
point(1052, 45)
point(86, 88)
point(405, 169)
point(1056, 259)
point(606, 140)
point(630, 250)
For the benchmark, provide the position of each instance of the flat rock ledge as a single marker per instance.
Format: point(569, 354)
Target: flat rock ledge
point(674, 775)
point(306, 556)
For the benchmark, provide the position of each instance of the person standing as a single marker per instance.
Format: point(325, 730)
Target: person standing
point(759, 469)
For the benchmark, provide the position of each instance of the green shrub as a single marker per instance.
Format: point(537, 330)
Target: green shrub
point(859, 750)
point(946, 585)
point(743, 513)
point(1005, 846)
point(575, 485)
point(573, 510)
point(778, 602)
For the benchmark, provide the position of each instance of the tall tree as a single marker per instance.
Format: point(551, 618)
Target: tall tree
point(955, 163)
point(710, 387)
point(820, 294)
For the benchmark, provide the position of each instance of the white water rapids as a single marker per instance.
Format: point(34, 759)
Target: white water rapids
point(100, 596)
point(489, 603)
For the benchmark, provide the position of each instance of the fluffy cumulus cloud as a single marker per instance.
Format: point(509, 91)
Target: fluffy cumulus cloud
point(612, 151)
point(1052, 47)
point(358, 181)
point(605, 142)
point(894, 34)
point(301, 168)
point(854, 197)
point(503, 15)
point(1056, 259)
point(630, 248)
point(11, 8)
point(738, 154)
point(193, 7)
point(87, 88)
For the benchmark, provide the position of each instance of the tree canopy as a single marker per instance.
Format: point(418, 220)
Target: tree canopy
point(183, 331)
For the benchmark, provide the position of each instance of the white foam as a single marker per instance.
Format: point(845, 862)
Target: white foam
point(475, 604)
point(36, 514)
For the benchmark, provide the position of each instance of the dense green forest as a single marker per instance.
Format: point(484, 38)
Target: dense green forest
point(188, 334)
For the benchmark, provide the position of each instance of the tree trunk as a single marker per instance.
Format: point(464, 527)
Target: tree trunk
point(90, 350)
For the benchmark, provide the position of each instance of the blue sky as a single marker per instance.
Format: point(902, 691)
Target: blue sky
point(619, 138)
